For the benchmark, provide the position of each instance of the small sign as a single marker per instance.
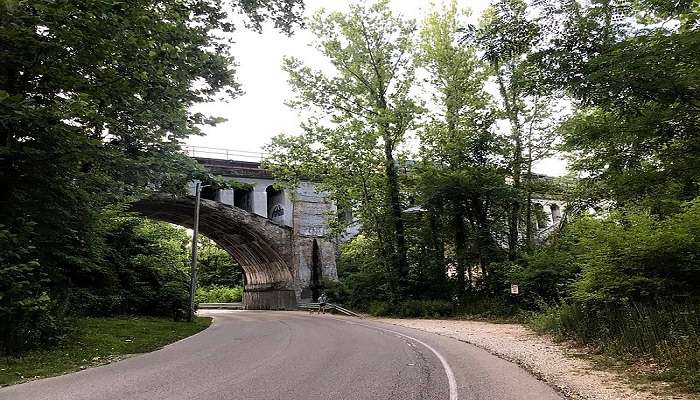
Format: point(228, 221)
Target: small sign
point(514, 289)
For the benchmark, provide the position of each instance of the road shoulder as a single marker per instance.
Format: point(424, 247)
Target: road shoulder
point(554, 363)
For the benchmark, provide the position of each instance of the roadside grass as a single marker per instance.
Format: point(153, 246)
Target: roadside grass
point(641, 373)
point(97, 341)
point(658, 342)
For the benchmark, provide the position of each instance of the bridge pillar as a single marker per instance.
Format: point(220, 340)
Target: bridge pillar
point(314, 254)
point(256, 297)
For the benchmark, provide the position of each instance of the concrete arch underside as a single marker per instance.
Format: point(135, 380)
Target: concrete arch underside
point(261, 247)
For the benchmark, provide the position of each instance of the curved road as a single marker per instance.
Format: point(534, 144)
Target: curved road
point(293, 355)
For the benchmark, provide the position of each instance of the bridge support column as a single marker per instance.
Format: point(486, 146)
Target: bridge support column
point(269, 298)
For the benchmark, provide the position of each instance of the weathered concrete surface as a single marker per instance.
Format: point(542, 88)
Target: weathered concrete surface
point(253, 355)
point(261, 247)
point(311, 211)
point(279, 237)
point(305, 210)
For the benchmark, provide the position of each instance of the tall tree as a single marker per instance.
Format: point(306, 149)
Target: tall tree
point(508, 38)
point(632, 69)
point(456, 78)
point(460, 151)
point(95, 100)
point(366, 103)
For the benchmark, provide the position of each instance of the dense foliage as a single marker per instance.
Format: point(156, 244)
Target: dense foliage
point(611, 83)
point(219, 294)
point(216, 267)
point(145, 271)
point(92, 113)
point(94, 102)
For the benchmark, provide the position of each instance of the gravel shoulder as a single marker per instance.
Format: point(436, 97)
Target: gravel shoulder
point(554, 363)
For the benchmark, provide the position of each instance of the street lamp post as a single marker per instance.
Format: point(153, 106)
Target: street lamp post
point(193, 266)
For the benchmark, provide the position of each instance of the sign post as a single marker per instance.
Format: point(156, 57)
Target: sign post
point(193, 266)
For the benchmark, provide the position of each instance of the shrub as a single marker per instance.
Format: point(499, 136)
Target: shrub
point(143, 271)
point(361, 274)
point(635, 256)
point(336, 291)
point(626, 256)
point(412, 308)
point(424, 308)
point(379, 308)
point(487, 307)
point(216, 267)
point(219, 294)
point(29, 316)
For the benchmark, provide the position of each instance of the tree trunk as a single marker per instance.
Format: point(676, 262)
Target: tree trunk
point(482, 232)
point(435, 230)
point(460, 248)
point(10, 85)
point(400, 252)
point(512, 112)
point(528, 188)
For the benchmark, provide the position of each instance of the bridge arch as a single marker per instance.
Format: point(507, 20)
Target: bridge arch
point(261, 247)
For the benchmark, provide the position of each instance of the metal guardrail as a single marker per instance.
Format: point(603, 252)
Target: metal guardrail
point(223, 154)
point(220, 306)
point(303, 306)
point(329, 306)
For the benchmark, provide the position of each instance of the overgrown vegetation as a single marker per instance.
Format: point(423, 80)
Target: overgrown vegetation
point(666, 332)
point(219, 294)
point(219, 277)
point(145, 271)
point(95, 101)
point(92, 114)
point(96, 341)
point(612, 83)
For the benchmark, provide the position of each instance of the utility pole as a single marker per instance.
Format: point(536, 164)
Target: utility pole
point(193, 266)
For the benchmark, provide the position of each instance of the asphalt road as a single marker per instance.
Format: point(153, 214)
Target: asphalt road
point(293, 355)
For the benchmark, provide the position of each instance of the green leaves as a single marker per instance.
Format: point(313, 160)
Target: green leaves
point(635, 132)
point(359, 115)
point(95, 101)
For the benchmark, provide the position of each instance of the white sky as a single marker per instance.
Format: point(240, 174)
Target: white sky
point(259, 114)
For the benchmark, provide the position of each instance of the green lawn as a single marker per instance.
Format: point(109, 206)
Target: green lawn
point(97, 341)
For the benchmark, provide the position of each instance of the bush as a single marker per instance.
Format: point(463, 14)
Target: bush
point(219, 294)
point(425, 308)
point(144, 271)
point(30, 317)
point(361, 275)
point(626, 256)
point(488, 307)
point(412, 308)
point(635, 256)
point(336, 291)
point(216, 266)
point(379, 308)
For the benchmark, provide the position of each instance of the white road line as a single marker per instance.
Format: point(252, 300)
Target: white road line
point(451, 381)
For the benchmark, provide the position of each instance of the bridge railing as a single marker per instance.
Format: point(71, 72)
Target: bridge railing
point(223, 154)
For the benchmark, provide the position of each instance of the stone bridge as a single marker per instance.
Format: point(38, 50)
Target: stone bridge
point(278, 239)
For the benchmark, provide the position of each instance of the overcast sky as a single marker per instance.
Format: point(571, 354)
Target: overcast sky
point(259, 114)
